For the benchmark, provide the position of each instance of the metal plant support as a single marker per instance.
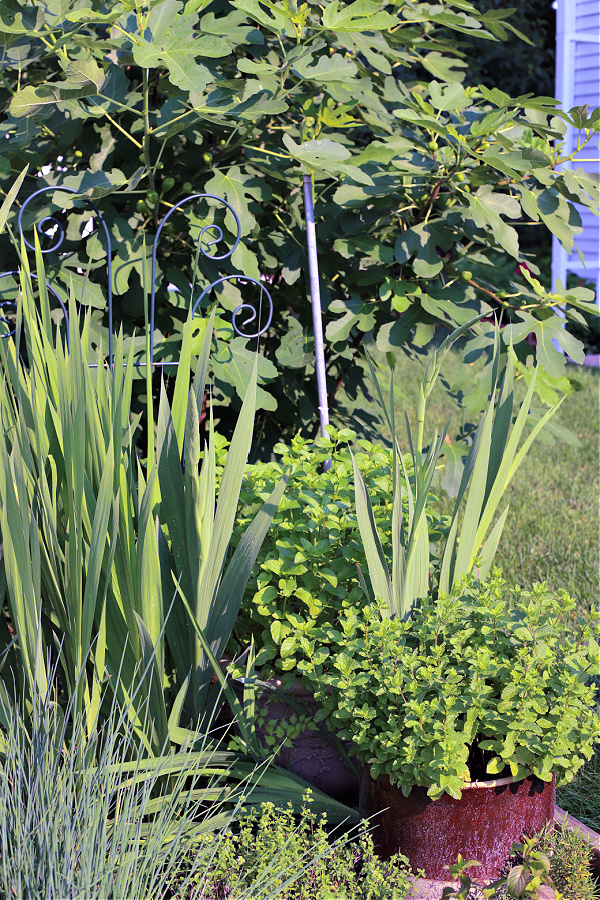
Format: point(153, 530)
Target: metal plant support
point(210, 236)
point(204, 244)
point(315, 296)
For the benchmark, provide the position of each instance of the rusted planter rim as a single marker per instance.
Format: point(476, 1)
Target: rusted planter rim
point(497, 782)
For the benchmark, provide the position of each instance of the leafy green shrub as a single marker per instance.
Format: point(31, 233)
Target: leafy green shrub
point(479, 682)
point(272, 851)
point(417, 175)
point(307, 566)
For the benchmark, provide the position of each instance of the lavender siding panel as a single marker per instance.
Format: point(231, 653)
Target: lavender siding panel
point(583, 95)
point(578, 84)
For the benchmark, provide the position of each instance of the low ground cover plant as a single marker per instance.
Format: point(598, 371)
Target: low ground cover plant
point(570, 857)
point(274, 850)
point(479, 682)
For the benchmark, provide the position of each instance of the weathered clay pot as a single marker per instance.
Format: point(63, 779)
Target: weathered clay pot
point(483, 825)
point(310, 756)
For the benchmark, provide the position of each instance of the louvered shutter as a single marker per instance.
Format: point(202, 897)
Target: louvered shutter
point(577, 84)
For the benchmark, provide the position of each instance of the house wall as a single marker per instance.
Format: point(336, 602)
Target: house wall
point(577, 84)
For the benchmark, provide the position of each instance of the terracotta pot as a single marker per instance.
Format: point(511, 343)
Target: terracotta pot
point(483, 825)
point(310, 756)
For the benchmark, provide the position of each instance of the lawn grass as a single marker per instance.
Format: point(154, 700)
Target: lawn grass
point(552, 532)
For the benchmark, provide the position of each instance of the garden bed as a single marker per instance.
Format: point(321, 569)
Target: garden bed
point(428, 889)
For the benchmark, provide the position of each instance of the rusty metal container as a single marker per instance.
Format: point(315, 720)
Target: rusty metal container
point(310, 755)
point(483, 825)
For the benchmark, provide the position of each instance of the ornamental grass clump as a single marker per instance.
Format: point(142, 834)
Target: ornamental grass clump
point(101, 817)
point(480, 682)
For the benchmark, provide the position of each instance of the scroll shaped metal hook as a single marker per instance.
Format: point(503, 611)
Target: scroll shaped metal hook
point(204, 247)
point(58, 238)
point(253, 313)
point(209, 237)
point(5, 303)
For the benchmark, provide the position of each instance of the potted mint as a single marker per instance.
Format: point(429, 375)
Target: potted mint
point(434, 758)
point(307, 571)
point(463, 716)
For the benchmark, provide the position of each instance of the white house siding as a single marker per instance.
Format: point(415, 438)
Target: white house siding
point(578, 84)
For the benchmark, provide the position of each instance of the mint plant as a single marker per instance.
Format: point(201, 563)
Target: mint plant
point(480, 682)
point(307, 569)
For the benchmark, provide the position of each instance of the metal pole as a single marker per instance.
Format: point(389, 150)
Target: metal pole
point(315, 296)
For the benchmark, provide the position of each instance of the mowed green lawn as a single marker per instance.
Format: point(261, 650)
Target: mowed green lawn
point(552, 532)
